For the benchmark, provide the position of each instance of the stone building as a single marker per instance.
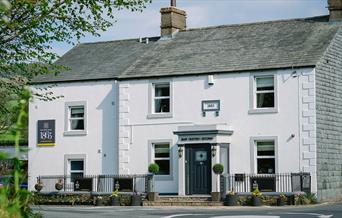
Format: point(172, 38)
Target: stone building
point(261, 98)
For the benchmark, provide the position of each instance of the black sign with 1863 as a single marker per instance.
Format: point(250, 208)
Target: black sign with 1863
point(46, 133)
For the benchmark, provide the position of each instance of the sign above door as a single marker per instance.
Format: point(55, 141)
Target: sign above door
point(204, 134)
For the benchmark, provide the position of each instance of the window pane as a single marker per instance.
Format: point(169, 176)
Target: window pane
point(265, 100)
point(77, 124)
point(162, 150)
point(162, 105)
point(162, 90)
point(77, 112)
point(265, 148)
point(74, 176)
point(164, 167)
point(266, 166)
point(265, 83)
point(76, 165)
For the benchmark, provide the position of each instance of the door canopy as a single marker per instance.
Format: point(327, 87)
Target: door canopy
point(204, 134)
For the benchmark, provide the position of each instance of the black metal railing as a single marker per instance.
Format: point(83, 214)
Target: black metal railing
point(282, 182)
point(137, 183)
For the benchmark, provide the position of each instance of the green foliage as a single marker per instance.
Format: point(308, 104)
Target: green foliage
point(312, 198)
point(153, 168)
point(282, 196)
point(304, 199)
point(218, 169)
point(115, 193)
point(13, 200)
point(29, 27)
point(256, 193)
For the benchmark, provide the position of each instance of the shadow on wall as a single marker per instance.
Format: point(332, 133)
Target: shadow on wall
point(109, 132)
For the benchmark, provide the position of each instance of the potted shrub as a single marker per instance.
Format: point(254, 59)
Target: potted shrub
point(218, 170)
point(281, 200)
point(38, 186)
point(100, 201)
point(231, 199)
point(154, 169)
point(59, 185)
point(256, 197)
point(115, 199)
point(136, 199)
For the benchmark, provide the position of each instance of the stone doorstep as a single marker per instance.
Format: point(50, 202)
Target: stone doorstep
point(184, 199)
point(182, 203)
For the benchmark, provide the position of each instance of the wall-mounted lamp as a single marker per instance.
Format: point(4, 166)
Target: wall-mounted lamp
point(210, 80)
point(213, 151)
point(180, 152)
point(117, 185)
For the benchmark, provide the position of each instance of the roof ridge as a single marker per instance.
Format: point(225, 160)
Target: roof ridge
point(151, 38)
point(308, 19)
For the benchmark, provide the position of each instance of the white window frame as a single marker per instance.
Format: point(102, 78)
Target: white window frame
point(67, 119)
point(253, 93)
point(152, 158)
point(67, 163)
point(75, 171)
point(254, 154)
point(151, 110)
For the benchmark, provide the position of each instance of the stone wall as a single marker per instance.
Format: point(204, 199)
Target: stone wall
point(329, 121)
point(307, 118)
point(124, 130)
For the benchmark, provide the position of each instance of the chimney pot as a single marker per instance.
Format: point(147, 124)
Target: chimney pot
point(335, 10)
point(172, 20)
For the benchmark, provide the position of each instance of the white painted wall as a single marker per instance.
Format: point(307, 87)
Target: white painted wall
point(100, 143)
point(122, 130)
point(233, 92)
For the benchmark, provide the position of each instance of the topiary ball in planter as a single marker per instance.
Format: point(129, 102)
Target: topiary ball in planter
point(153, 168)
point(218, 169)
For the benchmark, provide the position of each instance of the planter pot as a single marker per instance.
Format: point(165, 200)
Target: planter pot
point(291, 200)
point(59, 186)
point(153, 196)
point(231, 200)
point(38, 187)
point(100, 202)
point(281, 202)
point(256, 201)
point(215, 196)
point(115, 201)
point(136, 200)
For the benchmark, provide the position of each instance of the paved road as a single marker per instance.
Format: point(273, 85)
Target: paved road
point(313, 211)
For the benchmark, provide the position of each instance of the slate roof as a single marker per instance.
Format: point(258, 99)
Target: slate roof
point(229, 48)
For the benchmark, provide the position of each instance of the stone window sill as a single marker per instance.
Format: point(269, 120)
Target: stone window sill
point(159, 116)
point(263, 111)
point(75, 133)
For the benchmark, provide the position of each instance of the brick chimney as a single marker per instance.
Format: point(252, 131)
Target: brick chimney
point(335, 10)
point(172, 20)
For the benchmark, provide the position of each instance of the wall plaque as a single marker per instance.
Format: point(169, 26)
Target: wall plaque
point(211, 105)
point(46, 133)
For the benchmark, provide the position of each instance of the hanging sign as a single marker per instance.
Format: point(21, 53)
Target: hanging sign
point(46, 133)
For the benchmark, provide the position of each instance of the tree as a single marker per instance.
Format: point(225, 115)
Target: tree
point(28, 27)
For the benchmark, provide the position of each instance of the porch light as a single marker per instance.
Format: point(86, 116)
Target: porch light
point(117, 185)
point(180, 152)
point(213, 151)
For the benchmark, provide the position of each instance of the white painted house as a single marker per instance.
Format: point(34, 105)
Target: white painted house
point(260, 98)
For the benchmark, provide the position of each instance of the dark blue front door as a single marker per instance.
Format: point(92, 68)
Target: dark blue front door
point(198, 169)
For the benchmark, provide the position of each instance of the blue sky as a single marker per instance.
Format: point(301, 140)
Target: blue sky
point(202, 13)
